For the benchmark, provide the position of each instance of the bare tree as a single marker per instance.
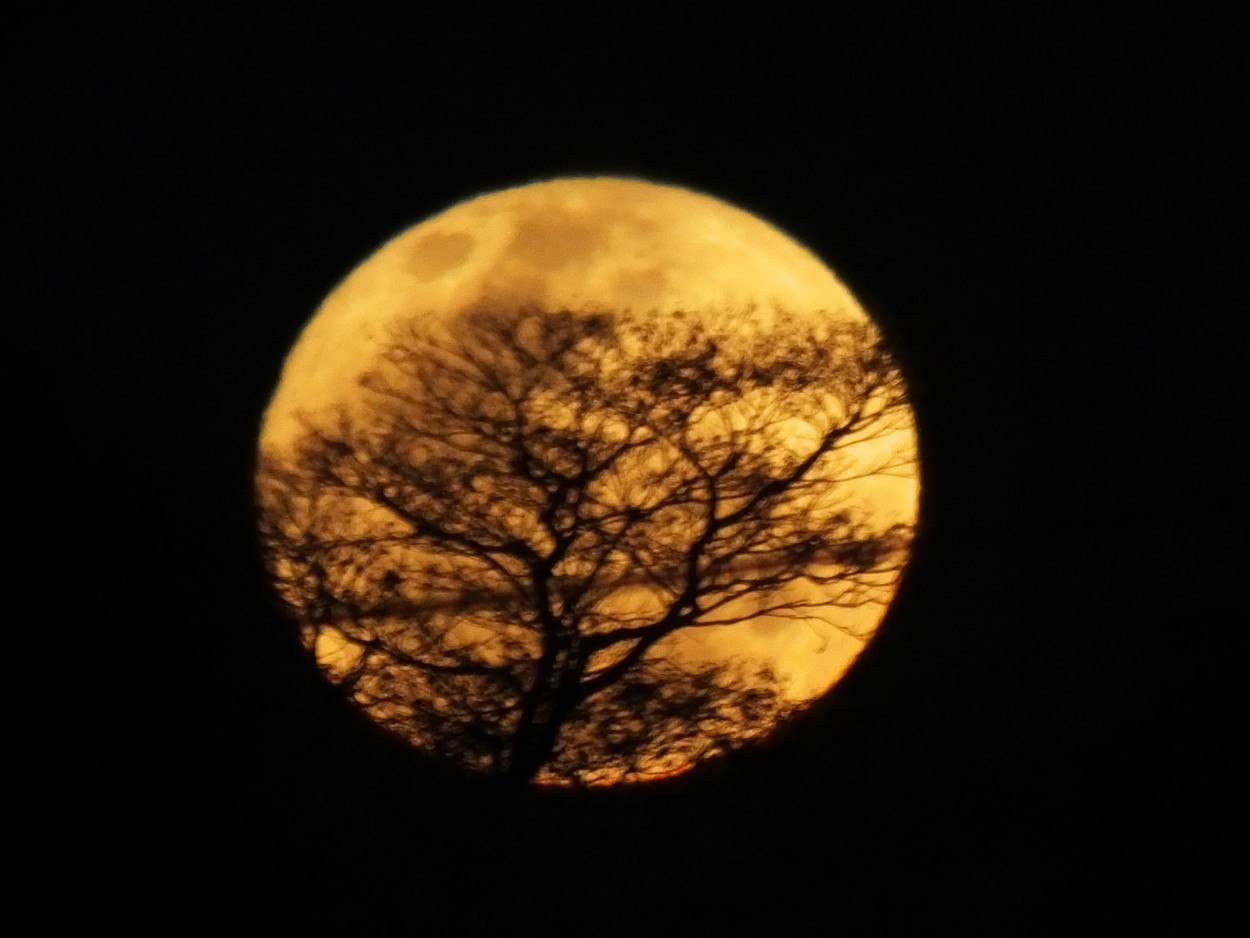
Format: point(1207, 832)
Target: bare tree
point(494, 548)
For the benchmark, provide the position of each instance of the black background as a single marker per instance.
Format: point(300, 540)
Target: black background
point(1018, 202)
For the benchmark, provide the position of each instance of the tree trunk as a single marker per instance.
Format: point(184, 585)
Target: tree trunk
point(546, 707)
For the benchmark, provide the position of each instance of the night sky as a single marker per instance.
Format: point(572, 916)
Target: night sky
point(1028, 738)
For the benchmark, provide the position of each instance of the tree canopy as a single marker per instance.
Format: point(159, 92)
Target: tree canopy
point(493, 547)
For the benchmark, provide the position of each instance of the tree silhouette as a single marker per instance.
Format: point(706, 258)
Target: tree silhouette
point(494, 548)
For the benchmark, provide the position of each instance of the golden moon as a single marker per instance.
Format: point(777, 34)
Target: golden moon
point(594, 248)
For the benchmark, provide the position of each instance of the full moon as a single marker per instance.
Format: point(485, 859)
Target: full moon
point(662, 272)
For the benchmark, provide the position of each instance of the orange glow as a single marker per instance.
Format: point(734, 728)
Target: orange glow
point(590, 245)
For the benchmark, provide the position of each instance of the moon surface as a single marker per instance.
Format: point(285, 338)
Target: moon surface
point(594, 244)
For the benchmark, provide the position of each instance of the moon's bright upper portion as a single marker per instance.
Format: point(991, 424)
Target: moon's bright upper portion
point(595, 244)
point(563, 244)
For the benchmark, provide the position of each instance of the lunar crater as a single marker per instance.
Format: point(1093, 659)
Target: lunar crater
point(439, 253)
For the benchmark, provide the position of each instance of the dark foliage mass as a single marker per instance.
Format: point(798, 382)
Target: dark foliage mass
point(494, 548)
